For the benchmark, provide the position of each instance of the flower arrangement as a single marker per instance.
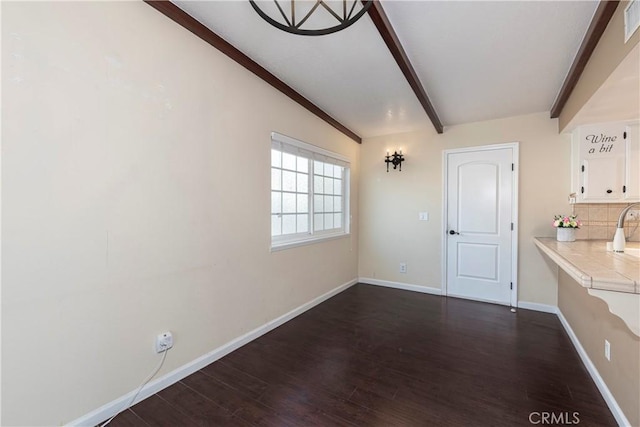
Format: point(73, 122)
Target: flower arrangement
point(562, 221)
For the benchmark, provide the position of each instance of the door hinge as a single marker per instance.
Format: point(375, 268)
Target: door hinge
point(511, 226)
point(624, 188)
point(582, 168)
point(511, 285)
point(624, 135)
point(512, 167)
point(582, 189)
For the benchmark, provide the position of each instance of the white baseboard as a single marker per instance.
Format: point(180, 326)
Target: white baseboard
point(398, 285)
point(595, 375)
point(545, 308)
point(110, 409)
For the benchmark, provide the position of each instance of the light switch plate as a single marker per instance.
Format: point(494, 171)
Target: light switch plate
point(423, 216)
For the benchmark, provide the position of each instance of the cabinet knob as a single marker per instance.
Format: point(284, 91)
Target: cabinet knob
point(609, 191)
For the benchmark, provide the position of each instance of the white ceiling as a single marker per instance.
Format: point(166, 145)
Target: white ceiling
point(477, 60)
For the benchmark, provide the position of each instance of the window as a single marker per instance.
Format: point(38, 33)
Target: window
point(309, 193)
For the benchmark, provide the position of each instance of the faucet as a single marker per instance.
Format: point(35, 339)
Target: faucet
point(618, 238)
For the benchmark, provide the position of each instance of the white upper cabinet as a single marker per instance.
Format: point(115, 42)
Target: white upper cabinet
point(606, 163)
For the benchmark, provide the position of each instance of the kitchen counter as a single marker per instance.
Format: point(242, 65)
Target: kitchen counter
point(592, 266)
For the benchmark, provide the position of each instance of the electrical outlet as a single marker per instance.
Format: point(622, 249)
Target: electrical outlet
point(403, 267)
point(607, 350)
point(633, 215)
point(164, 341)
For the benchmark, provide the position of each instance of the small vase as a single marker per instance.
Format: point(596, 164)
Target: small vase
point(566, 234)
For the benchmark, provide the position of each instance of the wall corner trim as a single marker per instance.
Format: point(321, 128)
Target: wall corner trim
point(595, 375)
point(108, 410)
point(403, 286)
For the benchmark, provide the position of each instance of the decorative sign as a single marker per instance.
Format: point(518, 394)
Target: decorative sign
point(605, 140)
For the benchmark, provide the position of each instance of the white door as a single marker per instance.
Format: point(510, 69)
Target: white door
point(480, 223)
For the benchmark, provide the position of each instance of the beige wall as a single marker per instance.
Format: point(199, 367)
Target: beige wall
point(390, 232)
point(592, 323)
point(608, 54)
point(135, 194)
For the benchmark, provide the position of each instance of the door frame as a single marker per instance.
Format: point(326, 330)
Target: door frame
point(514, 211)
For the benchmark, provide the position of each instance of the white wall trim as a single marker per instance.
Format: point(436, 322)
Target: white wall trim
point(403, 286)
point(108, 410)
point(595, 375)
point(545, 308)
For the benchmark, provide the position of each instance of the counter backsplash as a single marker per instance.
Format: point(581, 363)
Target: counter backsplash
point(599, 221)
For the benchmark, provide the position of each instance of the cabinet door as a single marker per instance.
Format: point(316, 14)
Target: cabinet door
point(602, 151)
point(632, 172)
point(603, 178)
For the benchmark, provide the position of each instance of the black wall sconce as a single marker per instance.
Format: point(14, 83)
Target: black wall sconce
point(395, 159)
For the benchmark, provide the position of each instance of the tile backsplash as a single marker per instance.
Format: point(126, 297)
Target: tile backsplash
point(599, 221)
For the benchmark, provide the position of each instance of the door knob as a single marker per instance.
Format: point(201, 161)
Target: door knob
point(452, 232)
point(609, 191)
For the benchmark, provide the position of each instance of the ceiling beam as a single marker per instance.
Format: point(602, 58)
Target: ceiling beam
point(599, 23)
point(188, 22)
point(379, 18)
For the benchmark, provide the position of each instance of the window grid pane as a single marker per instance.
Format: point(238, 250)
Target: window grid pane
point(276, 225)
point(289, 161)
point(303, 204)
point(276, 202)
point(302, 223)
point(276, 158)
point(304, 190)
point(302, 183)
point(288, 181)
point(276, 179)
point(288, 224)
point(302, 165)
point(289, 202)
point(327, 196)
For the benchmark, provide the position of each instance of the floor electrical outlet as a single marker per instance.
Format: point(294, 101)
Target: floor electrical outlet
point(164, 341)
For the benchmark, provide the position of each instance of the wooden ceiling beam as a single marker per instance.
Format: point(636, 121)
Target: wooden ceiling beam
point(388, 34)
point(599, 22)
point(181, 17)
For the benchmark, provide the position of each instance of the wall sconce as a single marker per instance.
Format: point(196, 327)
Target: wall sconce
point(395, 159)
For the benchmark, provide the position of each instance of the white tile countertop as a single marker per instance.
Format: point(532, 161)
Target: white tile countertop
point(591, 265)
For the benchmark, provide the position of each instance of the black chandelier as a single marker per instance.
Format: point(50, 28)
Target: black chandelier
point(395, 159)
point(305, 17)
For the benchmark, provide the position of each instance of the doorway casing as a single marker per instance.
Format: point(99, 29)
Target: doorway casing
point(514, 146)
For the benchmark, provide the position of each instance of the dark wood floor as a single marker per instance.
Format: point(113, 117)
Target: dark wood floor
point(373, 356)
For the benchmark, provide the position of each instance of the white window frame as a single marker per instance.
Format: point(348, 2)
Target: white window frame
point(287, 144)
